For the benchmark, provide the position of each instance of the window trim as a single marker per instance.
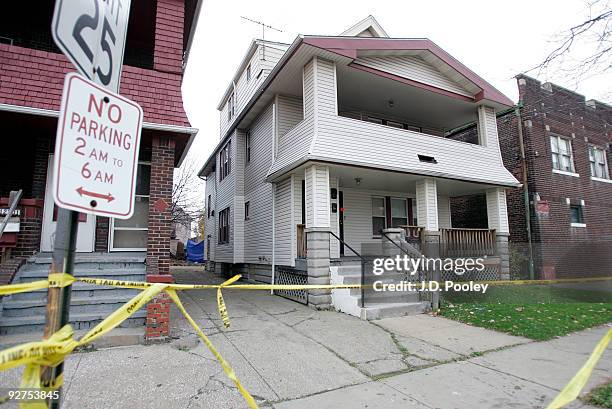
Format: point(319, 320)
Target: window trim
point(605, 162)
point(247, 147)
point(225, 161)
point(384, 199)
point(572, 171)
point(223, 230)
point(580, 222)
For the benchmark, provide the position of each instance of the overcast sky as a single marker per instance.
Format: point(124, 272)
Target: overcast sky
point(497, 40)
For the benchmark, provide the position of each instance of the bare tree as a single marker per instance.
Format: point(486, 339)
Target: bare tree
point(187, 195)
point(585, 49)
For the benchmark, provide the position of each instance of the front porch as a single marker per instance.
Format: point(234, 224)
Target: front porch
point(351, 212)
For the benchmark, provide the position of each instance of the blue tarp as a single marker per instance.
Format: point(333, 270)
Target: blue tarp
point(195, 251)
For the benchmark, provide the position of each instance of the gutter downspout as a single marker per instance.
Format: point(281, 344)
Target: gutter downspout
point(517, 112)
point(273, 235)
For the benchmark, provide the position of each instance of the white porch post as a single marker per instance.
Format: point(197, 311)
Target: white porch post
point(427, 204)
point(497, 213)
point(427, 215)
point(317, 233)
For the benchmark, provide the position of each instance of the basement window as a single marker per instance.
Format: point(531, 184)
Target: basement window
point(427, 159)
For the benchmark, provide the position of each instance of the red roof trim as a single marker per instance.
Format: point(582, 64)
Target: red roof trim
point(411, 82)
point(349, 46)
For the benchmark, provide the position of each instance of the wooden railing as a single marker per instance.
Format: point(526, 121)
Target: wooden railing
point(467, 242)
point(301, 240)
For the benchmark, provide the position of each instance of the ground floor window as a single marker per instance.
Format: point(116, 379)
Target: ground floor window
point(399, 212)
point(224, 226)
point(576, 215)
point(131, 234)
point(379, 215)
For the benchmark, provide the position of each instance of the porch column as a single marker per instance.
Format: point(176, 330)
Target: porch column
point(317, 233)
point(158, 235)
point(427, 215)
point(497, 214)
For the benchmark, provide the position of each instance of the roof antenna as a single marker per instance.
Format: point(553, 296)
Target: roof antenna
point(263, 33)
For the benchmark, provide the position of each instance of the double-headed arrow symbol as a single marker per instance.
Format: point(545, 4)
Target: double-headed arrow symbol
point(108, 197)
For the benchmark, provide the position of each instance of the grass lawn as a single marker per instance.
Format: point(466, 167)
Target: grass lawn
point(535, 312)
point(601, 396)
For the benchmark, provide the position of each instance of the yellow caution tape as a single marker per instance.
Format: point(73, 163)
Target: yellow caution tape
point(59, 280)
point(573, 388)
point(226, 367)
point(52, 351)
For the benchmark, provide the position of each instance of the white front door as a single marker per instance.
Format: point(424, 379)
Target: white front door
point(87, 222)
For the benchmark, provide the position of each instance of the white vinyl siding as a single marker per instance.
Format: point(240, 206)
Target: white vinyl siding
point(358, 215)
point(413, 68)
point(283, 223)
point(226, 190)
point(354, 142)
point(210, 224)
point(245, 89)
point(258, 229)
point(444, 212)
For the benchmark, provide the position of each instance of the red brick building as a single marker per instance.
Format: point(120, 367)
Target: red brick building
point(567, 145)
point(32, 71)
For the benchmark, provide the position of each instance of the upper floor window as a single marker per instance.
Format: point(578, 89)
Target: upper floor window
point(231, 106)
point(247, 208)
point(224, 223)
point(247, 148)
point(208, 206)
point(225, 166)
point(562, 158)
point(599, 163)
point(248, 72)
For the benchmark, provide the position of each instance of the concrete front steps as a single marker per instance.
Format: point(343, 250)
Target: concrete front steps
point(25, 312)
point(383, 304)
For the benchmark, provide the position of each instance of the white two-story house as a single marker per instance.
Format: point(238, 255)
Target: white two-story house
point(329, 143)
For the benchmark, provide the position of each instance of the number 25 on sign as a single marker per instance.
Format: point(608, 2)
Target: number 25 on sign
point(96, 150)
point(91, 33)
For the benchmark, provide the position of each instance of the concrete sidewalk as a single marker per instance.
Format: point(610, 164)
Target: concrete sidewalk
point(290, 356)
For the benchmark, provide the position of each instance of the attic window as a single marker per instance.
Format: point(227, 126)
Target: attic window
point(427, 159)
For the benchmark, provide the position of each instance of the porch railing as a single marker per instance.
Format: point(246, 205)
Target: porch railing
point(467, 242)
point(414, 235)
point(301, 240)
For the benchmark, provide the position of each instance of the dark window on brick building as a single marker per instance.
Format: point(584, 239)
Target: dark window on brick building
point(599, 165)
point(224, 226)
point(561, 150)
point(576, 214)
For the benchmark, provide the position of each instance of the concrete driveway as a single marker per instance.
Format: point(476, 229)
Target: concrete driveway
point(290, 356)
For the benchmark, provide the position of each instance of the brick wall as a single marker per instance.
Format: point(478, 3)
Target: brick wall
point(160, 200)
point(562, 250)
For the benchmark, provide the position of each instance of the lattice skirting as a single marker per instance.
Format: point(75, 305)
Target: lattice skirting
point(290, 276)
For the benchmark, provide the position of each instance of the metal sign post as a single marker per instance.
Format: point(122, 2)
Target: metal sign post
point(92, 35)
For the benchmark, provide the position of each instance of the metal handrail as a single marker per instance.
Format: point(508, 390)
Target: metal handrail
point(401, 249)
point(16, 196)
point(363, 265)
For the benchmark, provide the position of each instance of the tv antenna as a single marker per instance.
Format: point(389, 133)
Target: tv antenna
point(263, 32)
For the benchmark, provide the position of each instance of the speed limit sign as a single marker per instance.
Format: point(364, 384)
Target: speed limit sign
point(91, 33)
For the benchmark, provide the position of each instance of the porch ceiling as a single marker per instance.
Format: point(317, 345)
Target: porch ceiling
point(363, 91)
point(373, 179)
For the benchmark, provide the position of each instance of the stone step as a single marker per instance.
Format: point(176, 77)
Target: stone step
point(84, 289)
point(78, 305)
point(103, 273)
point(124, 275)
point(20, 325)
point(392, 310)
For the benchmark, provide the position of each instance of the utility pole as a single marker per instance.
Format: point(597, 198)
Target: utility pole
point(263, 32)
